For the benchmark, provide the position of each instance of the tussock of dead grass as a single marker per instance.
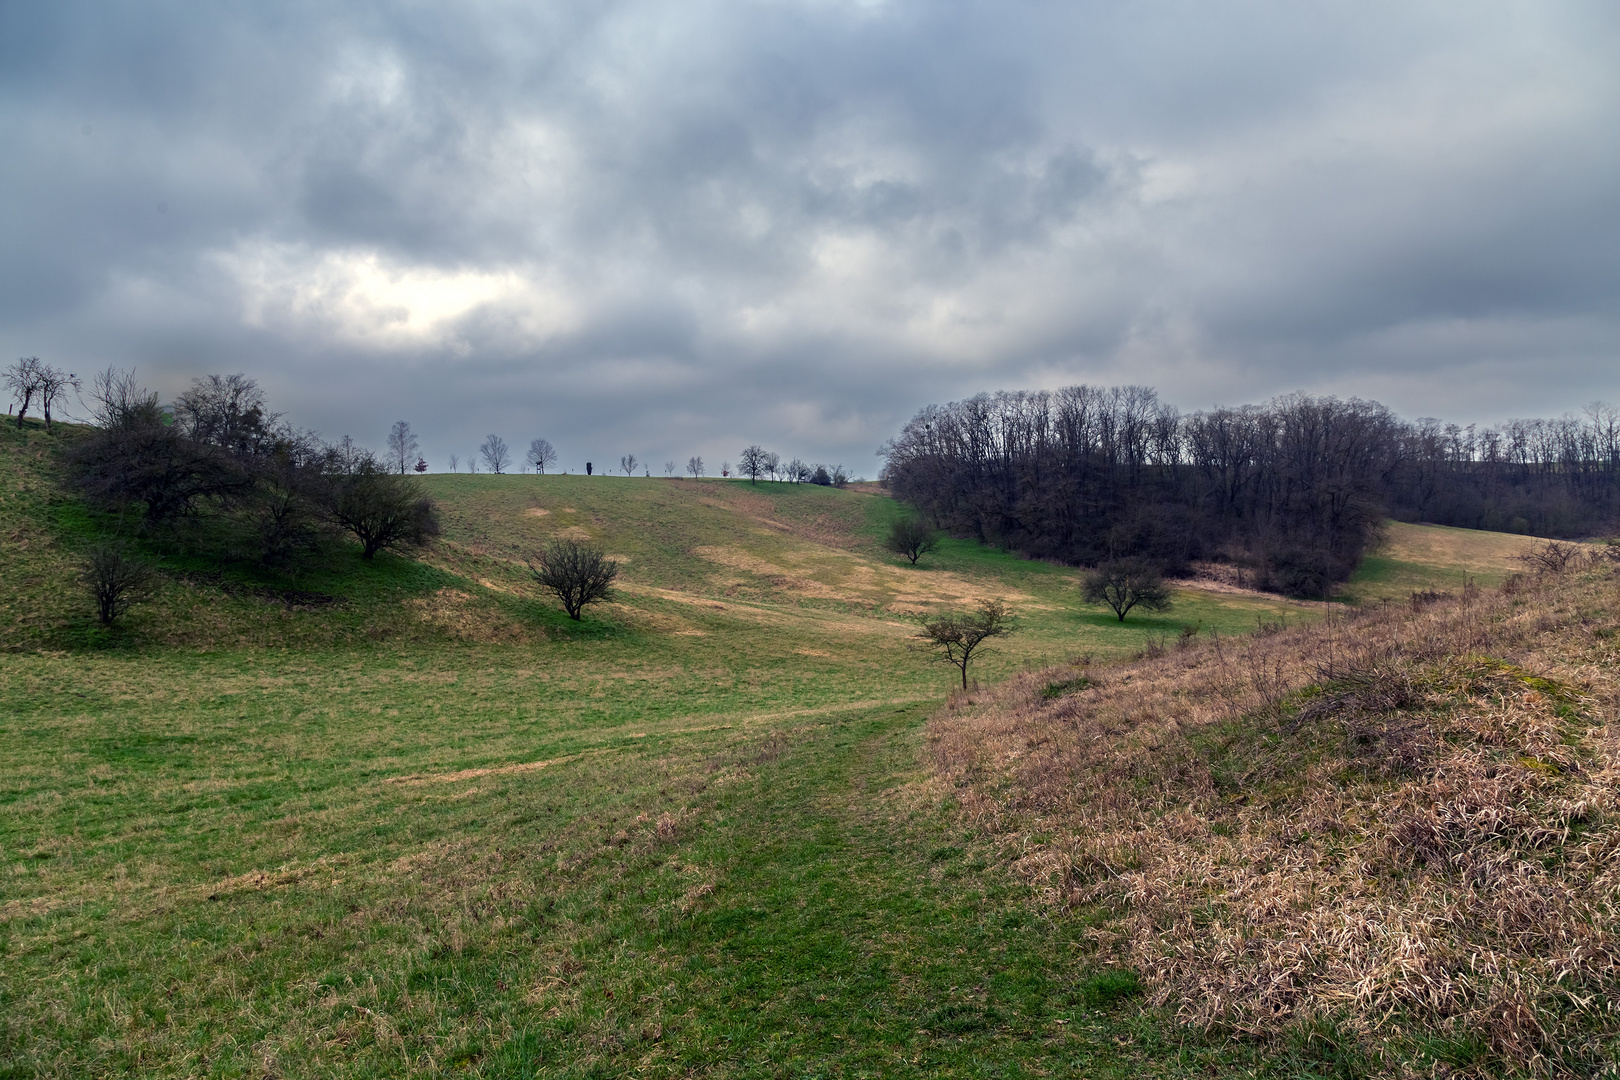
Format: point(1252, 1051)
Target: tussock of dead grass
point(1403, 821)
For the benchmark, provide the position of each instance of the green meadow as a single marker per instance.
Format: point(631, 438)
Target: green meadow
point(408, 819)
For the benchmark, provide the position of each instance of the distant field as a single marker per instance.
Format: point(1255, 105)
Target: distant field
point(1414, 558)
point(430, 825)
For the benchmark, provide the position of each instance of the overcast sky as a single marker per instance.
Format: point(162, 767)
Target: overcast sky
point(676, 228)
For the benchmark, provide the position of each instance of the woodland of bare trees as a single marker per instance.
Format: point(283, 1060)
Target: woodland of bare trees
point(1294, 489)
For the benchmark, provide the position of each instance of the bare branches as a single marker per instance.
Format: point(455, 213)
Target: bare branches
point(956, 636)
point(119, 403)
point(541, 455)
point(911, 538)
point(115, 581)
point(1124, 584)
point(380, 508)
point(495, 454)
point(31, 379)
point(752, 463)
point(402, 446)
point(578, 573)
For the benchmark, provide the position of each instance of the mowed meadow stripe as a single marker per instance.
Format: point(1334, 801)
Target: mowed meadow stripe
point(742, 720)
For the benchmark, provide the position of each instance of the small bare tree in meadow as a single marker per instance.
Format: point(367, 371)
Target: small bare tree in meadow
point(1124, 584)
point(752, 464)
point(908, 536)
point(541, 455)
point(402, 446)
point(956, 637)
point(115, 581)
point(31, 378)
point(694, 465)
point(578, 573)
point(495, 454)
point(628, 463)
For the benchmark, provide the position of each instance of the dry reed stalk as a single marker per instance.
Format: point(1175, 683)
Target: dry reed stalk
point(1404, 821)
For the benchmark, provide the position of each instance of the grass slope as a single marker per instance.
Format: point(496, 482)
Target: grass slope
point(1400, 826)
point(434, 826)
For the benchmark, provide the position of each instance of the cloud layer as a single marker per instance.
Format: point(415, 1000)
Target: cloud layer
point(673, 229)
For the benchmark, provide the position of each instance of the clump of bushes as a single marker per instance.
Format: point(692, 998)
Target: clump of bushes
point(218, 471)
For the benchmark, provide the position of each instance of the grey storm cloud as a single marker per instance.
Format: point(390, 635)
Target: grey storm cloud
point(674, 229)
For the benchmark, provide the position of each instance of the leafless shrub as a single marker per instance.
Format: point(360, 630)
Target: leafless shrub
point(1553, 558)
point(1420, 836)
point(115, 581)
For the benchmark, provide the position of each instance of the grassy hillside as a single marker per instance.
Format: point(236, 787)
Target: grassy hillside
point(407, 818)
point(1397, 828)
point(1419, 558)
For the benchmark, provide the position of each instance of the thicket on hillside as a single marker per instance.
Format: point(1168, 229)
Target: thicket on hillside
point(1293, 489)
point(1401, 824)
point(219, 473)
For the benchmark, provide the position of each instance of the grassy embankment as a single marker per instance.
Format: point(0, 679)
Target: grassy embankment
point(408, 818)
point(1398, 828)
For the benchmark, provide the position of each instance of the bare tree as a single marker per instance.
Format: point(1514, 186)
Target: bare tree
point(694, 465)
point(773, 463)
point(955, 637)
point(347, 456)
point(472, 466)
point(455, 462)
point(798, 471)
point(118, 402)
point(53, 383)
point(401, 445)
point(115, 581)
point(227, 411)
point(578, 573)
point(22, 379)
point(752, 463)
point(382, 509)
point(628, 463)
point(911, 538)
point(541, 455)
point(495, 454)
point(1124, 584)
point(30, 378)
point(669, 468)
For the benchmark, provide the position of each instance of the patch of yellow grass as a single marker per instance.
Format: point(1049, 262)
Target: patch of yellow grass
point(1407, 819)
point(463, 617)
point(1466, 549)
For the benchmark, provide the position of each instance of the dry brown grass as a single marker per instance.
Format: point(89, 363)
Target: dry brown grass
point(1403, 822)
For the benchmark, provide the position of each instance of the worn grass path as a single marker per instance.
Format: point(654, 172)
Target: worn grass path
point(850, 930)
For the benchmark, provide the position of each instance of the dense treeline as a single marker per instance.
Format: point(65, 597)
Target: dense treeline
point(1558, 477)
point(1293, 489)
